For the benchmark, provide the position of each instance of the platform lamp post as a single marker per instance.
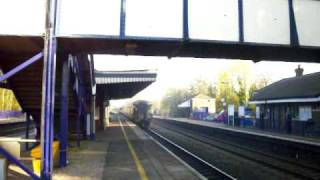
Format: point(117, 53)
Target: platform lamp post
point(48, 89)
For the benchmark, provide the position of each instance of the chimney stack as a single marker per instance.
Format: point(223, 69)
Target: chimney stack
point(299, 71)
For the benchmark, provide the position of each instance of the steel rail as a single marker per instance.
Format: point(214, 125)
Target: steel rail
point(219, 171)
point(175, 129)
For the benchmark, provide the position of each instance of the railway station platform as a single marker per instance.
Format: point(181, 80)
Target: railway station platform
point(123, 151)
point(249, 131)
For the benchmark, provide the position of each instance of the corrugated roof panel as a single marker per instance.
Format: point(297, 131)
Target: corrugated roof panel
point(111, 77)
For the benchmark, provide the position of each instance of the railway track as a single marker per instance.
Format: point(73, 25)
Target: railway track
point(280, 164)
point(206, 169)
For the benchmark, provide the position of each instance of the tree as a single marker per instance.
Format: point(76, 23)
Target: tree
point(212, 91)
point(234, 86)
point(260, 83)
point(225, 90)
point(242, 92)
point(199, 87)
point(170, 102)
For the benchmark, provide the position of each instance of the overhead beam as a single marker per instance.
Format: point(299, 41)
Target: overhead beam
point(191, 48)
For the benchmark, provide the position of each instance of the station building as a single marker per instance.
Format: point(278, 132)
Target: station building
point(290, 105)
point(199, 106)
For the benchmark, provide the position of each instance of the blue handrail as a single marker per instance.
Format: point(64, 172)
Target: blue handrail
point(21, 66)
point(18, 163)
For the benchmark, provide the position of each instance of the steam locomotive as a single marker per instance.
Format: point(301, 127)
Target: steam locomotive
point(138, 112)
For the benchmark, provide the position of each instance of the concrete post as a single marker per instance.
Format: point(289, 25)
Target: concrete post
point(107, 116)
point(3, 168)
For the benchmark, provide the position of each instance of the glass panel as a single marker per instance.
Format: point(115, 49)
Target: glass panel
point(154, 18)
point(100, 17)
point(307, 19)
point(213, 19)
point(22, 17)
point(266, 21)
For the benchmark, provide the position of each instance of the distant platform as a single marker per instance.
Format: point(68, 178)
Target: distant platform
point(110, 157)
point(12, 120)
point(250, 131)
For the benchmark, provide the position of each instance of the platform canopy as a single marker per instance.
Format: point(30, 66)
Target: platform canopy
point(186, 104)
point(122, 84)
point(304, 89)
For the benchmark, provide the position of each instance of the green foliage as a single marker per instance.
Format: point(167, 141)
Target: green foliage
point(199, 87)
point(8, 101)
point(170, 102)
point(242, 92)
point(258, 84)
point(232, 87)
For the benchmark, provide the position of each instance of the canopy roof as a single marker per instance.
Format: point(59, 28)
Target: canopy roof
point(122, 84)
point(295, 89)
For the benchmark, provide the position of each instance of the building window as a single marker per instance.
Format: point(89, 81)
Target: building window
point(305, 113)
point(294, 110)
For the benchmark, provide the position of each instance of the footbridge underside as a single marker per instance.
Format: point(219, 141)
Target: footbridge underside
point(285, 30)
point(21, 46)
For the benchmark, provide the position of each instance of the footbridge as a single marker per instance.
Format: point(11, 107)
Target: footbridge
point(47, 47)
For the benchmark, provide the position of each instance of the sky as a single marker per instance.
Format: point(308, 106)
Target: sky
point(181, 72)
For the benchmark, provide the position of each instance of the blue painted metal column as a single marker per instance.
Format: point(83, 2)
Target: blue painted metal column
point(79, 122)
point(123, 19)
point(81, 95)
point(63, 134)
point(240, 18)
point(294, 38)
point(48, 90)
point(185, 20)
point(93, 99)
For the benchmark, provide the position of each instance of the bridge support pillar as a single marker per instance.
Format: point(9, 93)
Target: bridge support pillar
point(102, 112)
point(79, 120)
point(48, 89)
point(64, 120)
point(92, 116)
point(88, 124)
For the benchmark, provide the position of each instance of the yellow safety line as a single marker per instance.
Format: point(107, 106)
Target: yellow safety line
point(142, 172)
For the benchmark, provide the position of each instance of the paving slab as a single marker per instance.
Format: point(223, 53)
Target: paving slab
point(110, 157)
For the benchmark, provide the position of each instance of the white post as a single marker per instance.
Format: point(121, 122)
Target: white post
point(107, 116)
point(231, 114)
point(88, 120)
point(3, 168)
